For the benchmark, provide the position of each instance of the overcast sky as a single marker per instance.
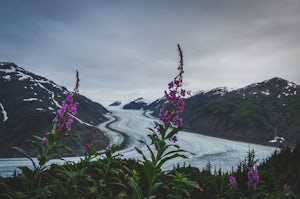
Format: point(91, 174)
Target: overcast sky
point(127, 49)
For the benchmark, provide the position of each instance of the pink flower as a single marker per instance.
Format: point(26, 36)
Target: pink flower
point(108, 148)
point(69, 98)
point(286, 188)
point(182, 92)
point(87, 147)
point(174, 105)
point(44, 140)
point(173, 138)
point(63, 118)
point(171, 84)
point(179, 122)
point(169, 112)
point(253, 178)
point(232, 183)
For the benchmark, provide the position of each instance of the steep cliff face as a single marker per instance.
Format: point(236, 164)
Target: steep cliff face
point(28, 103)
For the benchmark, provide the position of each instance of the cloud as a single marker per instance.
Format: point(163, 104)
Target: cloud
point(128, 49)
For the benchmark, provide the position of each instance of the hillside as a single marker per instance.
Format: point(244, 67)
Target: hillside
point(28, 103)
point(255, 113)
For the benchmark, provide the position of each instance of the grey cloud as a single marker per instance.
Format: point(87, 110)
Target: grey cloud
point(127, 49)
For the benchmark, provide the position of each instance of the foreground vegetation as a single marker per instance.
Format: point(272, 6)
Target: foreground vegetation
point(106, 174)
point(114, 177)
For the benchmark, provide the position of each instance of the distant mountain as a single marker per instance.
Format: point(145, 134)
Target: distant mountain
point(136, 104)
point(116, 103)
point(255, 113)
point(28, 103)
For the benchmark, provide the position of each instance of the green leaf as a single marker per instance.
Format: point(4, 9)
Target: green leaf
point(163, 129)
point(153, 131)
point(163, 160)
point(38, 138)
point(150, 171)
point(136, 190)
point(42, 160)
point(151, 152)
point(175, 151)
point(37, 146)
point(27, 173)
point(156, 186)
point(51, 138)
point(174, 131)
point(68, 148)
point(25, 154)
point(141, 152)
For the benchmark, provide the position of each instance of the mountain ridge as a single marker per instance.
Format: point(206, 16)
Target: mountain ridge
point(28, 106)
point(255, 113)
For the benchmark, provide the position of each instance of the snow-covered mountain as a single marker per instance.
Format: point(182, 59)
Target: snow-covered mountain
point(136, 104)
point(255, 113)
point(28, 103)
point(275, 87)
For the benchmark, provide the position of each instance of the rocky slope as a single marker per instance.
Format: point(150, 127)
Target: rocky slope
point(28, 103)
point(116, 103)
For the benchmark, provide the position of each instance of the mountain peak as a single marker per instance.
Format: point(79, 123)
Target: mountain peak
point(27, 106)
point(136, 104)
point(276, 87)
point(218, 91)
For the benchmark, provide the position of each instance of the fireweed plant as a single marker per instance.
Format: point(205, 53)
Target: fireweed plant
point(253, 178)
point(48, 146)
point(232, 184)
point(164, 135)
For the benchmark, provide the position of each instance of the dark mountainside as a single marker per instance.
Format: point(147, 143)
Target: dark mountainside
point(255, 113)
point(28, 103)
point(116, 103)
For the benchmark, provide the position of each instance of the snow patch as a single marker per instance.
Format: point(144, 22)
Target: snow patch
point(51, 93)
point(265, 92)
point(7, 77)
point(4, 113)
point(23, 76)
point(291, 84)
point(285, 94)
point(30, 99)
point(8, 70)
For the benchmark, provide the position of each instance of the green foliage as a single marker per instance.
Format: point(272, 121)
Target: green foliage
point(110, 176)
point(253, 118)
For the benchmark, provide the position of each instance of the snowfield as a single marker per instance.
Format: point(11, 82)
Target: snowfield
point(133, 125)
point(221, 153)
